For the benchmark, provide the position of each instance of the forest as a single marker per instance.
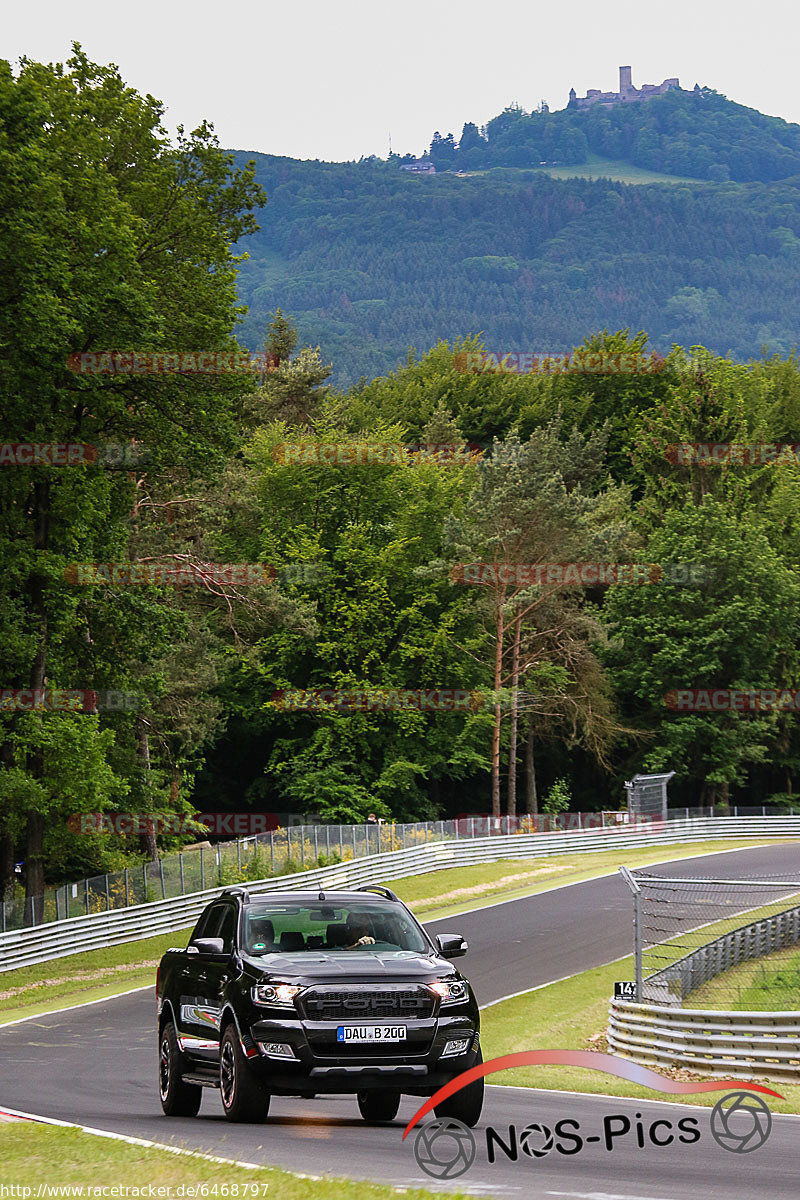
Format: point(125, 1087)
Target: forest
point(347, 572)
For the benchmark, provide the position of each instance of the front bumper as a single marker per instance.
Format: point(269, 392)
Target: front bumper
point(321, 1064)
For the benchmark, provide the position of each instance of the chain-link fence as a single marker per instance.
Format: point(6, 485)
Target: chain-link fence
point(291, 849)
point(717, 943)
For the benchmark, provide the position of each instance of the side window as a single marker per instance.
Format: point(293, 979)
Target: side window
point(225, 927)
point(201, 929)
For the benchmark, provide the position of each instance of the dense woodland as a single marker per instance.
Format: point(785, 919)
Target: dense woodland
point(372, 260)
point(140, 253)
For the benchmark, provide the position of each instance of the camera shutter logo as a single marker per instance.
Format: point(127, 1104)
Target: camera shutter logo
point(741, 1122)
point(445, 1148)
point(536, 1140)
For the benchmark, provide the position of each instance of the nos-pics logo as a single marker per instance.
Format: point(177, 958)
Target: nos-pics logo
point(446, 1149)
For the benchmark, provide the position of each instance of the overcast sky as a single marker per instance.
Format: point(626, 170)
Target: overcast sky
point(332, 80)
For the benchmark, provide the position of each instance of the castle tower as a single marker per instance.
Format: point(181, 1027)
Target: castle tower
point(625, 85)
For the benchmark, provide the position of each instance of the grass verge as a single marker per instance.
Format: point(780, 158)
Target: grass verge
point(99, 974)
point(573, 1015)
point(33, 1154)
point(439, 893)
point(769, 984)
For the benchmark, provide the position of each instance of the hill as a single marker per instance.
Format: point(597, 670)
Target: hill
point(700, 134)
point(371, 260)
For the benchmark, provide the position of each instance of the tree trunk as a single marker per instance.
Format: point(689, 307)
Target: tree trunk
point(147, 840)
point(531, 796)
point(6, 866)
point(34, 834)
point(498, 683)
point(34, 868)
point(511, 799)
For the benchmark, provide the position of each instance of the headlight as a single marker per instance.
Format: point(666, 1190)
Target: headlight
point(451, 991)
point(274, 995)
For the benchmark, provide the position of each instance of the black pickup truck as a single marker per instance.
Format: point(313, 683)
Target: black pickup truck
point(300, 993)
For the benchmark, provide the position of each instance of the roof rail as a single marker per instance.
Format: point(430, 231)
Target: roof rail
point(376, 887)
point(238, 891)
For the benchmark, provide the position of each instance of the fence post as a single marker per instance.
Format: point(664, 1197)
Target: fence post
point(183, 882)
point(637, 929)
point(219, 866)
point(108, 895)
point(3, 904)
point(127, 893)
point(86, 890)
point(202, 872)
point(316, 842)
point(328, 841)
point(239, 855)
point(272, 851)
point(161, 873)
point(302, 845)
point(341, 844)
point(354, 843)
point(392, 837)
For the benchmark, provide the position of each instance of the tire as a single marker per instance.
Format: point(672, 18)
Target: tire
point(467, 1105)
point(243, 1097)
point(377, 1107)
point(178, 1099)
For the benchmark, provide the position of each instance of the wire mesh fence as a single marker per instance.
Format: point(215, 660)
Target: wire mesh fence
point(290, 849)
point(717, 943)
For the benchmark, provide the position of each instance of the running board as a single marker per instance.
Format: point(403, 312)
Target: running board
point(211, 1081)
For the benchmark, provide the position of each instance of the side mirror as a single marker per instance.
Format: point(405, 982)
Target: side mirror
point(207, 946)
point(452, 945)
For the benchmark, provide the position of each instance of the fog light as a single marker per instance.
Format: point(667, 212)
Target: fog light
point(457, 1047)
point(277, 1050)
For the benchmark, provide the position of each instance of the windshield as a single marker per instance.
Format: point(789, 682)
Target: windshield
point(360, 927)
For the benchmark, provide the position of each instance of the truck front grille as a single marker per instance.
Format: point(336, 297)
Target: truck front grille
point(366, 1002)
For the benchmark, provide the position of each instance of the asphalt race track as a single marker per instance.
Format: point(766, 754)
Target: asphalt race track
point(96, 1066)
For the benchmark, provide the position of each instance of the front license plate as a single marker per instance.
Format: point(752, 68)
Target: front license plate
point(371, 1033)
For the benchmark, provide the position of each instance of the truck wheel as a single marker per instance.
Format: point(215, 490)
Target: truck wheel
point(376, 1107)
point(465, 1106)
point(243, 1097)
point(178, 1099)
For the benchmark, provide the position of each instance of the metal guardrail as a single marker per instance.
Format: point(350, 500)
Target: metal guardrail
point(741, 1045)
point(675, 982)
point(57, 939)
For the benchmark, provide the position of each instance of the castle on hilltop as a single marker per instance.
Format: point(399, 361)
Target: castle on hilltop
point(626, 94)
